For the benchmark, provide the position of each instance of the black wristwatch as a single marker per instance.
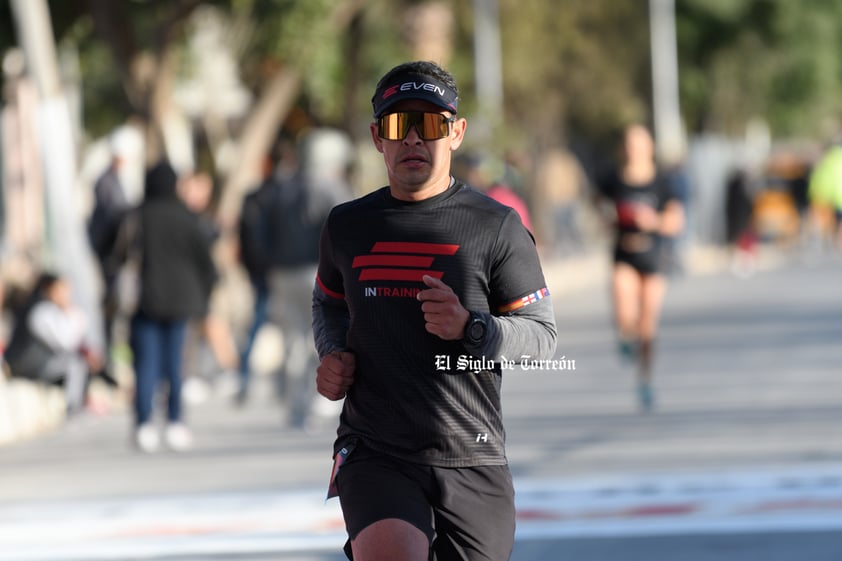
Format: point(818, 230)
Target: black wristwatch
point(476, 329)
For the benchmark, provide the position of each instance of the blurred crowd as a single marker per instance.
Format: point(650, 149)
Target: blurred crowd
point(169, 336)
point(168, 341)
point(792, 202)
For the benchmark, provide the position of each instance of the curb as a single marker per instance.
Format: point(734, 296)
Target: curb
point(28, 409)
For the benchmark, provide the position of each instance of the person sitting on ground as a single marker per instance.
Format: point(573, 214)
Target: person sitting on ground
point(50, 344)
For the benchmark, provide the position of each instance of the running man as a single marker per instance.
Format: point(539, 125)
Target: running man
point(411, 278)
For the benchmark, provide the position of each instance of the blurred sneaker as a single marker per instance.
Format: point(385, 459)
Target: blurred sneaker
point(646, 396)
point(195, 391)
point(147, 439)
point(178, 437)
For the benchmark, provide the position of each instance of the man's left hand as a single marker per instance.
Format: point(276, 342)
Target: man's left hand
point(444, 315)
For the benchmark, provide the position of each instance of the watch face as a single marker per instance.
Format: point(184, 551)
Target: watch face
point(477, 330)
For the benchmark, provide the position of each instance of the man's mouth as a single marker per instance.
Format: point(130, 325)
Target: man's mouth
point(414, 159)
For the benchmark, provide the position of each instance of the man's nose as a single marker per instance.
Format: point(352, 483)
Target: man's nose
point(413, 136)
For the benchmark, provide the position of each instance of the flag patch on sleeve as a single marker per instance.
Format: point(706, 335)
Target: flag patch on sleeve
point(525, 301)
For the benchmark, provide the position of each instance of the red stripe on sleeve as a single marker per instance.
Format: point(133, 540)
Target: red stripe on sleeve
point(329, 292)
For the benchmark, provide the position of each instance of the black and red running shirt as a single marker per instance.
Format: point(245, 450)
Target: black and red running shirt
point(409, 396)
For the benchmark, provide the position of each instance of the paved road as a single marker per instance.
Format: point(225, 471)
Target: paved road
point(741, 461)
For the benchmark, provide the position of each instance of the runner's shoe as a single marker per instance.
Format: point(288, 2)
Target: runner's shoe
point(646, 396)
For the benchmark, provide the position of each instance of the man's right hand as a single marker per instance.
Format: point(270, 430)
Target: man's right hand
point(335, 374)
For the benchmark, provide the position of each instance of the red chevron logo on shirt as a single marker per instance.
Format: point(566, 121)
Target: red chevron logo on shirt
point(401, 261)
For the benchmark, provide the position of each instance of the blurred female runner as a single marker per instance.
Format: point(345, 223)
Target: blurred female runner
point(647, 212)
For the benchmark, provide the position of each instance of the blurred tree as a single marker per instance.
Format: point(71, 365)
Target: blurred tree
point(292, 46)
point(300, 46)
point(577, 68)
point(581, 66)
point(574, 68)
point(141, 37)
point(572, 71)
point(743, 59)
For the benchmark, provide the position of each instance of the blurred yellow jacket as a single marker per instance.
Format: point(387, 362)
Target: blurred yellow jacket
point(826, 180)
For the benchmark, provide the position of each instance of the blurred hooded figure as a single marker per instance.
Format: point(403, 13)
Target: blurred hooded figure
point(176, 275)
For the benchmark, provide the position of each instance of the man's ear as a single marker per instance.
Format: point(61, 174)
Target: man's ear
point(457, 132)
point(378, 142)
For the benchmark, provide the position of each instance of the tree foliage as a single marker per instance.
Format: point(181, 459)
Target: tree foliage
point(744, 59)
point(577, 68)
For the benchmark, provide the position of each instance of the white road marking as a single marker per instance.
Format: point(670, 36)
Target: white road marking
point(791, 499)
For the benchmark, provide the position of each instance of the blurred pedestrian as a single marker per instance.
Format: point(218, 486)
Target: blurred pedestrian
point(255, 236)
point(110, 206)
point(740, 233)
point(824, 193)
point(196, 190)
point(299, 208)
point(177, 274)
point(110, 202)
point(647, 211)
point(51, 341)
point(414, 278)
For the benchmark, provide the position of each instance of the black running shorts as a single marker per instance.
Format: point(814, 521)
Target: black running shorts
point(467, 514)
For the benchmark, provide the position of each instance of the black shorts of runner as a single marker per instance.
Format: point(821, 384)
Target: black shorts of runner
point(467, 514)
point(652, 261)
point(645, 264)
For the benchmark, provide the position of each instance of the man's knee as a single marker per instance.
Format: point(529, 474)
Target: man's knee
point(391, 539)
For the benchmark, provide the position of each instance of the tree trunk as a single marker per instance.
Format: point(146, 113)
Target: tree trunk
point(256, 140)
point(264, 122)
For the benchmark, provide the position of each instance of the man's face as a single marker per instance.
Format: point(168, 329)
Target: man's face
point(418, 168)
